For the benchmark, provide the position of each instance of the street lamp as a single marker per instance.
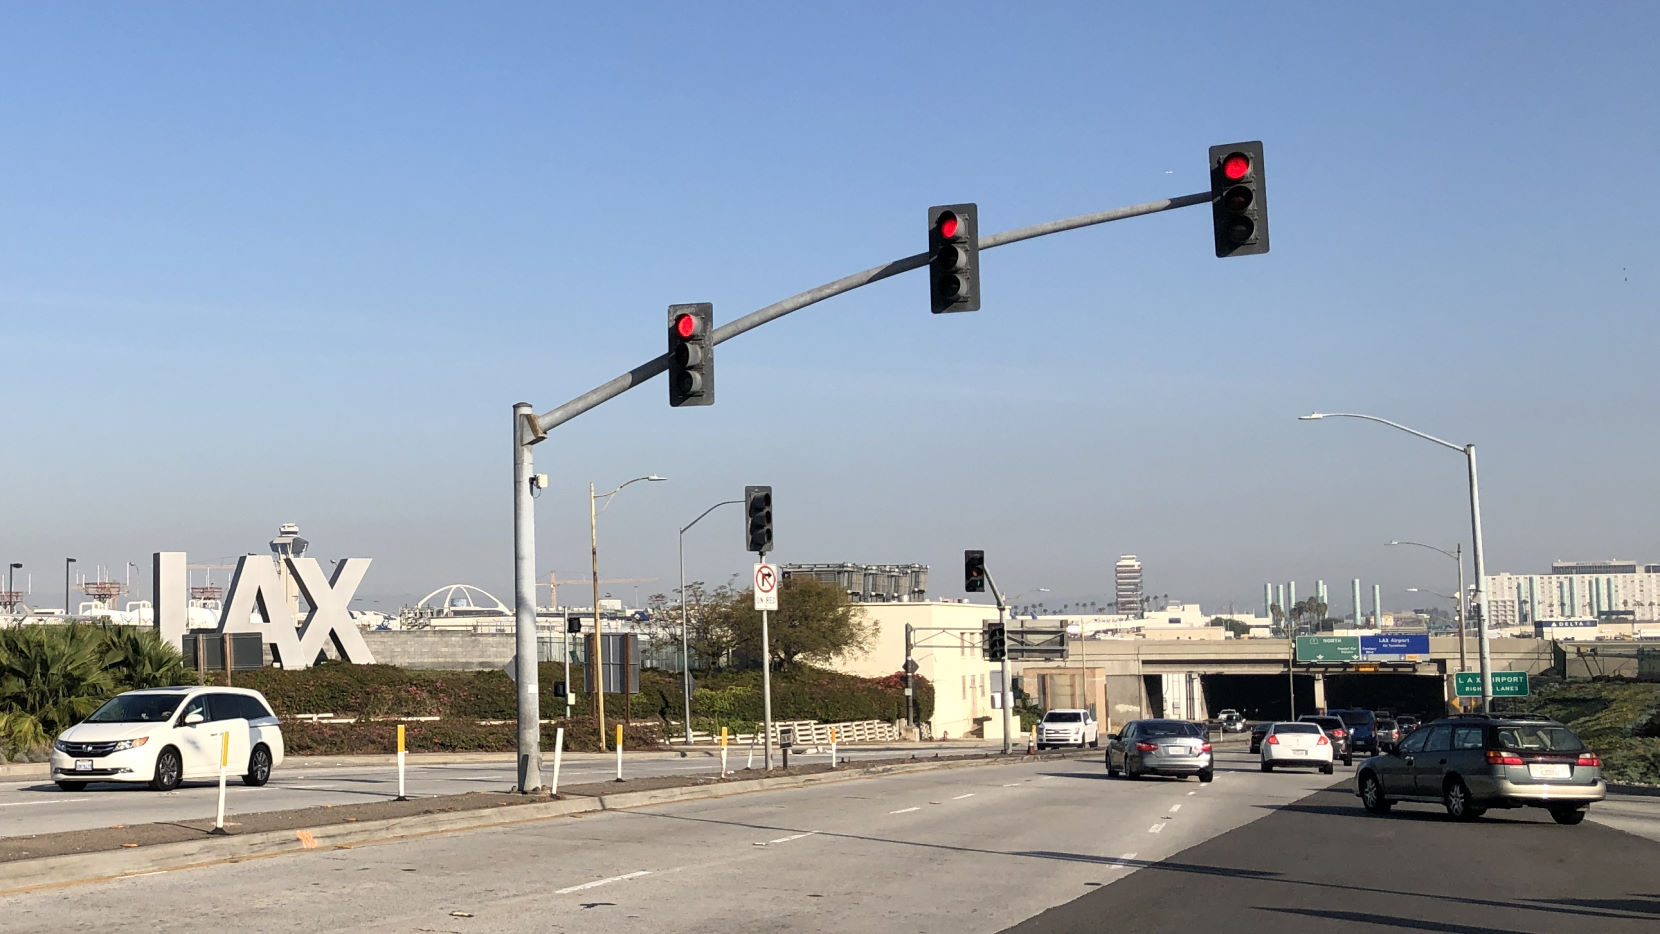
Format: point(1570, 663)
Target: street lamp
point(66, 563)
point(1457, 554)
point(1469, 452)
point(685, 651)
point(599, 638)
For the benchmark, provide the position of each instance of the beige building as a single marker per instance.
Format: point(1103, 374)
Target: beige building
point(946, 645)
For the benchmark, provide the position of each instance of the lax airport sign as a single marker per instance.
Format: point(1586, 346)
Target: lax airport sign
point(1379, 647)
point(258, 602)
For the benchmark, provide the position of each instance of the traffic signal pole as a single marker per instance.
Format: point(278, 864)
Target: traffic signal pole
point(531, 429)
point(1008, 690)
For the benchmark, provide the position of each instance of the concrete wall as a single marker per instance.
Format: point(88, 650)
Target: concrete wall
point(455, 651)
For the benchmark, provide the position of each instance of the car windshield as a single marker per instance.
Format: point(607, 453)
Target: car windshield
point(1169, 728)
point(1297, 728)
point(1062, 716)
point(1539, 738)
point(136, 708)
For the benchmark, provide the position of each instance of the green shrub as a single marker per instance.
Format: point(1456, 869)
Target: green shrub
point(309, 738)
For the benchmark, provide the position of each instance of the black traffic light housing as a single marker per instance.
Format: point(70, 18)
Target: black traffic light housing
point(954, 258)
point(974, 571)
point(996, 642)
point(1239, 199)
point(692, 354)
point(758, 519)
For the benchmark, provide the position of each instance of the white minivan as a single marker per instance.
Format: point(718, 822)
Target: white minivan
point(164, 736)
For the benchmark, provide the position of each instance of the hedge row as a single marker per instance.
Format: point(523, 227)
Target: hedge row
point(731, 699)
point(308, 738)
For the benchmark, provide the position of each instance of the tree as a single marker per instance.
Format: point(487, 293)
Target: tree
point(815, 622)
point(1239, 628)
point(711, 634)
point(51, 678)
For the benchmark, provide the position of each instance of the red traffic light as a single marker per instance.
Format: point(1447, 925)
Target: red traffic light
point(1236, 166)
point(686, 326)
point(948, 225)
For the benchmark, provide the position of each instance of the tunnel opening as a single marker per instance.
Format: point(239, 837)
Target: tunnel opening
point(1258, 697)
point(1423, 696)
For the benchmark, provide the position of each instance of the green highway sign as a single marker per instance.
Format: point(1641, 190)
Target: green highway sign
point(1328, 648)
point(1505, 684)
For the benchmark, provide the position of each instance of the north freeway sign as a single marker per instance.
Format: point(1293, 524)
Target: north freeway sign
point(1371, 647)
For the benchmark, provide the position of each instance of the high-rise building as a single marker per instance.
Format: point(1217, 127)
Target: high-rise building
point(1127, 575)
point(1610, 589)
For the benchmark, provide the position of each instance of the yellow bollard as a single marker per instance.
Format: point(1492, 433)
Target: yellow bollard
point(619, 752)
point(723, 752)
point(401, 748)
point(224, 762)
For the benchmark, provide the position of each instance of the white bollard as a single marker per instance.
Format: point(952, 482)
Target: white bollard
point(401, 796)
point(723, 772)
point(832, 747)
point(224, 761)
point(558, 752)
point(619, 752)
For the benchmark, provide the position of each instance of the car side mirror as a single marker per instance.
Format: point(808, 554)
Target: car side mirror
point(191, 719)
point(1112, 736)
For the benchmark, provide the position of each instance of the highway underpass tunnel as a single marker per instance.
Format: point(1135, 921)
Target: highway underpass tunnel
point(1422, 695)
point(1258, 697)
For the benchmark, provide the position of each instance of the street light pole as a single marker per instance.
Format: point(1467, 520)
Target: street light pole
point(685, 649)
point(1457, 554)
point(599, 635)
point(1469, 452)
point(66, 611)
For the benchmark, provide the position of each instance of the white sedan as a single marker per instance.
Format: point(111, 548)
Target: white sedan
point(1296, 744)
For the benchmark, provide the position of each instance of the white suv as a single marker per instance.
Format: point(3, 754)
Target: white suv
point(166, 735)
point(1068, 726)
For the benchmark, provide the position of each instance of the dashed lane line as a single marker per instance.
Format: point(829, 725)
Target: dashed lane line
point(904, 810)
point(960, 797)
point(599, 882)
point(1156, 828)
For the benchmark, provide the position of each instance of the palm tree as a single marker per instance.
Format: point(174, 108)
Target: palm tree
point(50, 679)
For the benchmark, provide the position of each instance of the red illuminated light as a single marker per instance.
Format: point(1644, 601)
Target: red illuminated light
point(1236, 166)
point(686, 326)
point(948, 225)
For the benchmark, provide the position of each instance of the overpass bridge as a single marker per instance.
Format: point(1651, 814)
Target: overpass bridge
point(1125, 679)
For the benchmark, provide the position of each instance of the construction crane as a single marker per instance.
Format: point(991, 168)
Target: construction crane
point(553, 584)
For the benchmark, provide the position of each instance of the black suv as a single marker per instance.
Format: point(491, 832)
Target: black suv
point(1339, 734)
point(1473, 762)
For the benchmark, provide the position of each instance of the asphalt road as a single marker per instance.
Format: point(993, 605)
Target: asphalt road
point(959, 850)
point(1323, 862)
point(40, 807)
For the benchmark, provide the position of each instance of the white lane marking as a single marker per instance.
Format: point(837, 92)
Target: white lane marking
point(904, 810)
point(1191, 793)
point(795, 837)
point(599, 882)
point(1174, 808)
point(312, 787)
point(1156, 828)
point(14, 804)
point(1012, 785)
point(960, 797)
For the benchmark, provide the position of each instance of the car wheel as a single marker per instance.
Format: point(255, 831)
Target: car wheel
point(259, 767)
point(1267, 766)
point(1129, 770)
point(1371, 795)
point(1348, 759)
point(72, 786)
point(1112, 772)
point(1206, 776)
point(1255, 748)
point(1568, 815)
point(1327, 769)
point(169, 770)
point(1095, 743)
point(1456, 798)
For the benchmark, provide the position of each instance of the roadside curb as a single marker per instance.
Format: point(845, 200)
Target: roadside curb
point(29, 874)
point(1645, 791)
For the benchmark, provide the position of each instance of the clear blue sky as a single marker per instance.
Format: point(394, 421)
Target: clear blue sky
point(296, 263)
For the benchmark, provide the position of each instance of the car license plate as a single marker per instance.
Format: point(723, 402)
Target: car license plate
point(1177, 751)
point(83, 765)
point(1299, 752)
point(1548, 770)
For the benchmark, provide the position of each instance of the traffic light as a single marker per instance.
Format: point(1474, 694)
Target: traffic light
point(996, 642)
point(758, 519)
point(692, 354)
point(954, 258)
point(974, 571)
point(573, 624)
point(1239, 199)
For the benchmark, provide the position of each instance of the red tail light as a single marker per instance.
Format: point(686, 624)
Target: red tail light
point(1146, 747)
point(1588, 760)
point(1322, 741)
point(1496, 757)
point(1205, 747)
point(1273, 740)
point(1339, 733)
